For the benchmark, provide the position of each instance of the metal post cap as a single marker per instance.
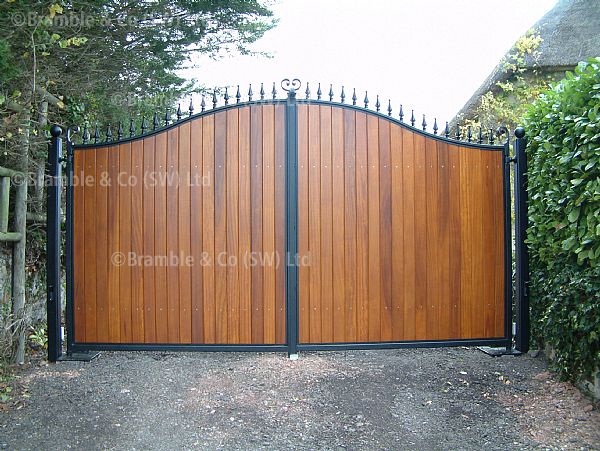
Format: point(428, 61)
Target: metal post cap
point(55, 131)
point(520, 132)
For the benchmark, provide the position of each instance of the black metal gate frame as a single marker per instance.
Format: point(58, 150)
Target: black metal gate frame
point(292, 346)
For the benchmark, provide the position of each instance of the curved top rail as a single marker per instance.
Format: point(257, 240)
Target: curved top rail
point(220, 100)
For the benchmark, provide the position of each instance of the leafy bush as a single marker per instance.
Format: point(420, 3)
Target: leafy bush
point(563, 131)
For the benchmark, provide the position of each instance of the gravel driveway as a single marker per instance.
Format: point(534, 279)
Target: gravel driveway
point(400, 399)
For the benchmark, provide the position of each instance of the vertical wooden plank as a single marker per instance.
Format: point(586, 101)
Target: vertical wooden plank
point(444, 225)
point(432, 231)
point(385, 229)
point(233, 260)
point(498, 244)
point(102, 257)
point(185, 249)
point(420, 239)
point(304, 303)
point(197, 186)
point(137, 241)
point(326, 227)
point(256, 187)
point(160, 237)
point(78, 244)
point(478, 300)
point(208, 229)
point(466, 240)
point(172, 211)
point(268, 206)
point(89, 227)
point(349, 243)
point(374, 237)
point(314, 195)
point(148, 227)
point(454, 235)
point(124, 187)
point(362, 229)
point(221, 227)
point(114, 312)
point(408, 222)
point(341, 303)
point(489, 255)
point(245, 228)
point(280, 224)
point(397, 244)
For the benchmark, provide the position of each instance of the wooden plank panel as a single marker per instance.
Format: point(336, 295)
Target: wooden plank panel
point(245, 227)
point(498, 244)
point(125, 241)
point(349, 243)
point(197, 186)
point(148, 227)
point(408, 222)
point(385, 229)
point(397, 232)
point(256, 187)
point(89, 227)
point(208, 229)
point(268, 210)
point(314, 195)
point(114, 313)
point(79, 245)
point(184, 247)
point(454, 242)
point(326, 226)
point(445, 306)
point(420, 239)
point(280, 261)
point(137, 241)
point(220, 206)
point(488, 243)
point(304, 302)
point(466, 240)
point(362, 228)
point(374, 237)
point(478, 299)
point(101, 235)
point(341, 303)
point(160, 238)
point(233, 258)
point(432, 236)
point(172, 211)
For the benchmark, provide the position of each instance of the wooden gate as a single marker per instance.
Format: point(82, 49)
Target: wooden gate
point(287, 224)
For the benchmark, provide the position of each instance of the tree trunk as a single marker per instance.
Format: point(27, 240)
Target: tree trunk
point(18, 264)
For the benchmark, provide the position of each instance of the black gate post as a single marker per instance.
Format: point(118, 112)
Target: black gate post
point(521, 252)
point(291, 208)
point(53, 282)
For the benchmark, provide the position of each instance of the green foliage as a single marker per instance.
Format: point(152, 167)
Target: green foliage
point(39, 337)
point(563, 128)
point(519, 84)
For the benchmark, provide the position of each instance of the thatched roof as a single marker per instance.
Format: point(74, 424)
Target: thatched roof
point(570, 33)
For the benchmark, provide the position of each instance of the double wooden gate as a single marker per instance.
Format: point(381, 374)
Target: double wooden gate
point(291, 224)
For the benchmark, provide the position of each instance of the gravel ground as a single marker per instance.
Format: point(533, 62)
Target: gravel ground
point(401, 399)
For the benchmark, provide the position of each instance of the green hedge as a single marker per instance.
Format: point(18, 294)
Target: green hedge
point(563, 131)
